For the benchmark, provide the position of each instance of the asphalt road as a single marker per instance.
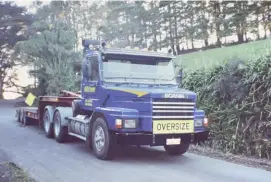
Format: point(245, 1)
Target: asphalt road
point(49, 161)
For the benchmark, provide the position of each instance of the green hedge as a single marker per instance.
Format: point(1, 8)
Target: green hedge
point(236, 97)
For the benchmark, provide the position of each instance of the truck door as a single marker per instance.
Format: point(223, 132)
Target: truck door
point(90, 79)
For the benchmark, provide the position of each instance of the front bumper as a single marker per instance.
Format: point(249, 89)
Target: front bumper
point(159, 140)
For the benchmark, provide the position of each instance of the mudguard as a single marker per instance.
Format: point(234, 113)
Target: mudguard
point(64, 112)
point(51, 112)
point(113, 113)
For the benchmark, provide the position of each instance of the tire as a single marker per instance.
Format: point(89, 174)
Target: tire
point(177, 149)
point(19, 116)
point(105, 152)
point(47, 125)
point(24, 120)
point(60, 132)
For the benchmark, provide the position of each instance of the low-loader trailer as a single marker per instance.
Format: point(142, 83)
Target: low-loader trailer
point(127, 97)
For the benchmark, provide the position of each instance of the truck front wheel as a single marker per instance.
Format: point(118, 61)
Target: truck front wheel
point(103, 143)
point(177, 149)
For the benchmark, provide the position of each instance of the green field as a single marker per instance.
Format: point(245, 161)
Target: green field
point(248, 51)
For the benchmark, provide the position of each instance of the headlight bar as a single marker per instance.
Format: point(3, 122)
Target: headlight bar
point(126, 123)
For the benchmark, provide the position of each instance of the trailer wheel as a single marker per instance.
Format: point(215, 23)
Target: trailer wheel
point(24, 120)
point(103, 142)
point(177, 149)
point(60, 132)
point(47, 125)
point(19, 116)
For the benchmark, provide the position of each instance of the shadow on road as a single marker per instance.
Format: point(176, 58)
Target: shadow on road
point(143, 154)
point(147, 155)
point(135, 154)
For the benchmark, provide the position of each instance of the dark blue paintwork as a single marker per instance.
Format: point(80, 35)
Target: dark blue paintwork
point(116, 102)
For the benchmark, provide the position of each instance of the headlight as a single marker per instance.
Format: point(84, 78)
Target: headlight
point(198, 122)
point(130, 123)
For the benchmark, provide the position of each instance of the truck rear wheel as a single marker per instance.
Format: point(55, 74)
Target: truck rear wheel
point(103, 142)
point(60, 132)
point(48, 125)
point(177, 149)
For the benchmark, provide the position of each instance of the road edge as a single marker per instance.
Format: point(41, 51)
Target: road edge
point(264, 164)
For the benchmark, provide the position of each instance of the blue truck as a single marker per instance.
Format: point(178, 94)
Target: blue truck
point(127, 97)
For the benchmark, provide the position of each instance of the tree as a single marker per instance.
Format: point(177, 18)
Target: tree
point(13, 23)
point(50, 49)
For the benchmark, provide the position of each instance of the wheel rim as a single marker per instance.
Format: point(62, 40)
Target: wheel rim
point(57, 126)
point(46, 121)
point(99, 138)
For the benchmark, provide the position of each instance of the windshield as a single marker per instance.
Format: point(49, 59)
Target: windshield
point(152, 71)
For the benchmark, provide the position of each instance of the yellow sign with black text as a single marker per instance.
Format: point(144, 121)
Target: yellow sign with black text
point(89, 89)
point(88, 102)
point(173, 126)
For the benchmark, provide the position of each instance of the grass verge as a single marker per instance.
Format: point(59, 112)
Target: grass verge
point(10, 172)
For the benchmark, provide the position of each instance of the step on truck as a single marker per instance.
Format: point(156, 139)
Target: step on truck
point(127, 97)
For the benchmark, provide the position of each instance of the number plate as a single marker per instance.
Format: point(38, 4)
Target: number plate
point(173, 126)
point(173, 141)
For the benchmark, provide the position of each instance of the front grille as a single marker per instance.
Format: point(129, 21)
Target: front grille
point(171, 109)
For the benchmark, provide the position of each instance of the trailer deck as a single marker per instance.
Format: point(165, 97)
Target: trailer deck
point(65, 98)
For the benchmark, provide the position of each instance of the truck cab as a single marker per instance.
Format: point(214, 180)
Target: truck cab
point(132, 97)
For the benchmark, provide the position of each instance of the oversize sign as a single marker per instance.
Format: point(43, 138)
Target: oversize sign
point(173, 126)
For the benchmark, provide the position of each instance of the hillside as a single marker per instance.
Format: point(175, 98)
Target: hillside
point(247, 51)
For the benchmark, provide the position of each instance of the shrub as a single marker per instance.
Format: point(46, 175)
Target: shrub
point(236, 97)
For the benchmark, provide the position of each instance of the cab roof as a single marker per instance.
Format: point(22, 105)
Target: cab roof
point(120, 51)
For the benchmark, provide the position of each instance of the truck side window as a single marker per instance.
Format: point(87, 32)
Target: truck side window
point(90, 68)
point(95, 68)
